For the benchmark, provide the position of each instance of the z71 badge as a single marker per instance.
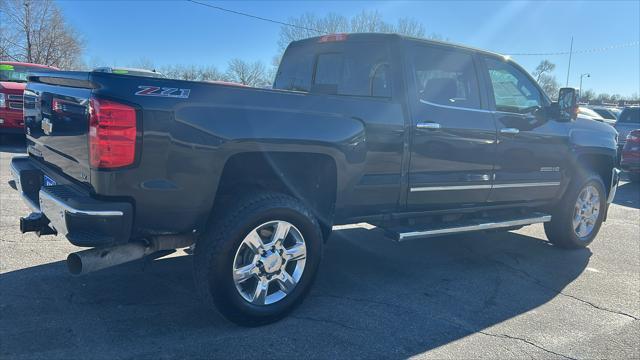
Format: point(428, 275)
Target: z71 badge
point(163, 92)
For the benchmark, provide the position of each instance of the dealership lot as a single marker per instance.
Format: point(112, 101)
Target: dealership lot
point(486, 295)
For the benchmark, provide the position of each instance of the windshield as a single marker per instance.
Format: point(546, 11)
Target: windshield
point(18, 73)
point(589, 112)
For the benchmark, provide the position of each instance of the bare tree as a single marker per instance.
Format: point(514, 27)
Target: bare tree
point(251, 74)
point(587, 95)
point(545, 67)
point(36, 32)
point(309, 25)
point(192, 72)
point(547, 81)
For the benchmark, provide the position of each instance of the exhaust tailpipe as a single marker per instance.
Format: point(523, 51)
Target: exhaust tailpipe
point(87, 261)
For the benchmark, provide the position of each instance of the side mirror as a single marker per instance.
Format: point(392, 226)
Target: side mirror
point(568, 104)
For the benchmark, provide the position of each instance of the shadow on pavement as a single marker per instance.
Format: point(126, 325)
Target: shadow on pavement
point(13, 144)
point(372, 298)
point(628, 194)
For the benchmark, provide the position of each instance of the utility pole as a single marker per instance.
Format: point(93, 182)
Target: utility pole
point(569, 67)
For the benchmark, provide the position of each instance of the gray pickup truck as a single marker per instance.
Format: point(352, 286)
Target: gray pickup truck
point(417, 137)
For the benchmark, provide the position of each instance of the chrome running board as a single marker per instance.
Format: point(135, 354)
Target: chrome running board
point(472, 225)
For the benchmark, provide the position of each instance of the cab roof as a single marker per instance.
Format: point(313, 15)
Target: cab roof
point(355, 37)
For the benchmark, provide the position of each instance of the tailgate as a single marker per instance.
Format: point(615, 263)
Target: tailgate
point(56, 112)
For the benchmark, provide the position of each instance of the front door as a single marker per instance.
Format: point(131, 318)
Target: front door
point(531, 146)
point(454, 135)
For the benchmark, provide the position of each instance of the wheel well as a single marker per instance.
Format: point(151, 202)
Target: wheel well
point(308, 177)
point(599, 164)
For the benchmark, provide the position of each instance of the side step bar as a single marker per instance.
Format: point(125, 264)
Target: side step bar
point(402, 234)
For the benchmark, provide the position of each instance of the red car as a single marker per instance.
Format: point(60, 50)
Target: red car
point(631, 155)
point(13, 79)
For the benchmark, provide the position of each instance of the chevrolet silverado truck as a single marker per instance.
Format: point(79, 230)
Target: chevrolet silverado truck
point(13, 79)
point(416, 137)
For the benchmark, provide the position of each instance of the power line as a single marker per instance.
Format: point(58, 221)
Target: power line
point(254, 16)
point(584, 51)
point(617, 46)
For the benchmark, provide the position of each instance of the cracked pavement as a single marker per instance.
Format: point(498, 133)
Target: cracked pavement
point(484, 295)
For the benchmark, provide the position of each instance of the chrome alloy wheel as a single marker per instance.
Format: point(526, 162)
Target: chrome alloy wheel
point(586, 211)
point(269, 262)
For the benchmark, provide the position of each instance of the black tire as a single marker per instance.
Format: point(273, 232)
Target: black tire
point(215, 251)
point(560, 230)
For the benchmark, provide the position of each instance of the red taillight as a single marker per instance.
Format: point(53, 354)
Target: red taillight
point(112, 134)
point(332, 38)
point(634, 137)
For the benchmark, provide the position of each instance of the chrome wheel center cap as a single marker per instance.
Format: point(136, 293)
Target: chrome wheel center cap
point(272, 262)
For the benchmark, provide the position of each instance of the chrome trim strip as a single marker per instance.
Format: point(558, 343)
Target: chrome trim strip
point(447, 188)
point(484, 226)
point(475, 187)
point(453, 107)
point(533, 184)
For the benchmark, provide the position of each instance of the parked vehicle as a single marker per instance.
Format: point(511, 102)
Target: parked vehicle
point(13, 79)
point(420, 138)
point(130, 71)
point(609, 113)
point(630, 161)
point(628, 120)
point(592, 115)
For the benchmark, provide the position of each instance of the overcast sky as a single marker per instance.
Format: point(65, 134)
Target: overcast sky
point(172, 32)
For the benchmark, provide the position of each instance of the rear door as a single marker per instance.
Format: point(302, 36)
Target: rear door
point(454, 135)
point(532, 148)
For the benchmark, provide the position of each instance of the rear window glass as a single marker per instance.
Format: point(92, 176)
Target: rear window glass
point(355, 69)
point(630, 116)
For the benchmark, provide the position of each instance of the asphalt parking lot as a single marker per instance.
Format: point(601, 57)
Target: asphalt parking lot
point(487, 295)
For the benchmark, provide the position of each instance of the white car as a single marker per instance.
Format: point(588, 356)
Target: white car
point(592, 115)
point(607, 112)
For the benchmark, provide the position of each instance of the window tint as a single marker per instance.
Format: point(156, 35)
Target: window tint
point(446, 77)
point(630, 115)
point(381, 81)
point(359, 69)
point(512, 89)
point(328, 74)
point(295, 71)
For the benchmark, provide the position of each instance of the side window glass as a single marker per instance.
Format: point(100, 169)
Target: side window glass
point(512, 89)
point(381, 81)
point(446, 77)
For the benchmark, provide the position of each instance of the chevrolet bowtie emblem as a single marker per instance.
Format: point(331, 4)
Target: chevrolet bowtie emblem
point(47, 126)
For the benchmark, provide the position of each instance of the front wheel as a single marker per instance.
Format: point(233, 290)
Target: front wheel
point(577, 220)
point(257, 263)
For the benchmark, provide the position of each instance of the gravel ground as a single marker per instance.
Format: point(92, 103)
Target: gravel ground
point(493, 295)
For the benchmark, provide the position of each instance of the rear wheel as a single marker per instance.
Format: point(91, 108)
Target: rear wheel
point(577, 220)
point(257, 263)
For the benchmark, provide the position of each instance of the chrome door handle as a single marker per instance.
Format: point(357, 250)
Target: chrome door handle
point(428, 125)
point(510, 131)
